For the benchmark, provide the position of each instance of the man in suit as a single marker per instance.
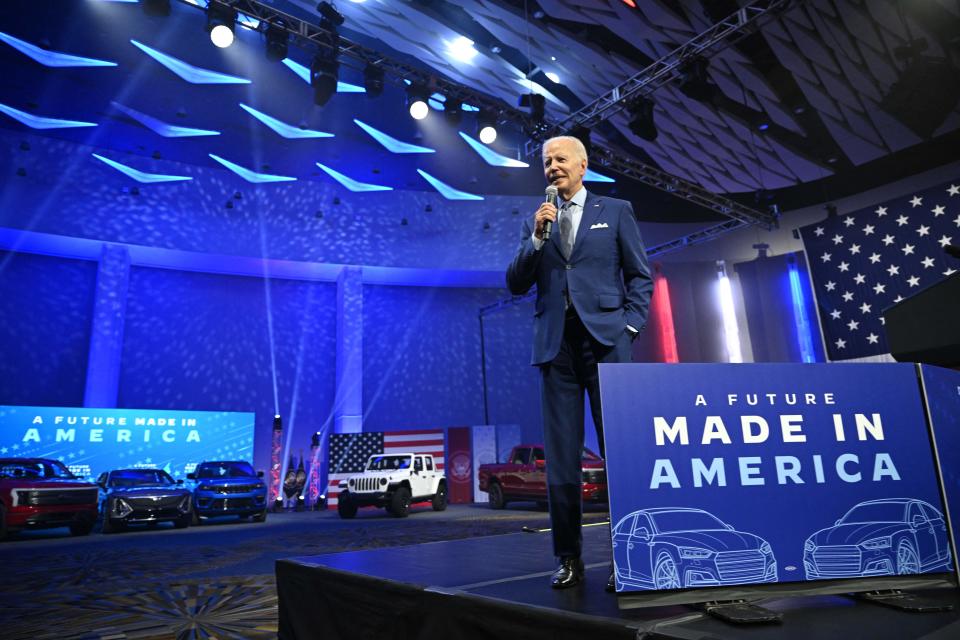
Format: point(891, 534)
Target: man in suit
point(593, 292)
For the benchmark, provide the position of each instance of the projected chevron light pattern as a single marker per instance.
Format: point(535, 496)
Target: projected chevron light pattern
point(160, 127)
point(190, 73)
point(52, 58)
point(390, 143)
point(248, 175)
point(446, 190)
point(593, 176)
point(490, 156)
point(304, 74)
point(282, 128)
point(351, 184)
point(39, 122)
point(140, 176)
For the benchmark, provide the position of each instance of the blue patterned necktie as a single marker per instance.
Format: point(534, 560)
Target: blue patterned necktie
point(566, 230)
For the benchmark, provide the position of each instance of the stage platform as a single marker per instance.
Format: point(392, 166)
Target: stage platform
point(497, 587)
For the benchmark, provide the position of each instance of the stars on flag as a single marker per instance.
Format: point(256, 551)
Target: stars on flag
point(887, 251)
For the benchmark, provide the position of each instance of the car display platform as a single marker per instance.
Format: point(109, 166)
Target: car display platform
point(497, 587)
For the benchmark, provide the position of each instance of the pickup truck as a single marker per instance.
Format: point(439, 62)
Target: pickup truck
point(524, 477)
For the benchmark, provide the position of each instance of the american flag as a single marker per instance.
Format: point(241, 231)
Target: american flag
point(867, 261)
point(349, 452)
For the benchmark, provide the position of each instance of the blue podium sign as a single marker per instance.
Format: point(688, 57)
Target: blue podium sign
point(730, 475)
point(91, 441)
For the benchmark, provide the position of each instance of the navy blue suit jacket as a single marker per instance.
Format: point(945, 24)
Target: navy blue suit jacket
point(607, 275)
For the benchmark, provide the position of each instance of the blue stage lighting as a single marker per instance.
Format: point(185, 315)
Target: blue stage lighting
point(52, 58)
point(593, 176)
point(140, 176)
point(38, 122)
point(160, 127)
point(351, 184)
point(490, 156)
point(190, 73)
point(392, 144)
point(248, 175)
point(446, 190)
point(282, 128)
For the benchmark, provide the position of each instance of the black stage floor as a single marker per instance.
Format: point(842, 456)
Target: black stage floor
point(497, 587)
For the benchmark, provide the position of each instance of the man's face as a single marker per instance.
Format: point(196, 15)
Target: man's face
point(563, 168)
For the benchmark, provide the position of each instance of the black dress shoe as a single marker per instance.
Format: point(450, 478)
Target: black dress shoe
point(611, 583)
point(568, 574)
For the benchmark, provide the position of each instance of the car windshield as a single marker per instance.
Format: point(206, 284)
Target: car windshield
point(34, 469)
point(139, 478)
point(387, 463)
point(670, 521)
point(226, 470)
point(876, 512)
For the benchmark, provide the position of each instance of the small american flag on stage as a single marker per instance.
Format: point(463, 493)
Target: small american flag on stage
point(349, 452)
point(867, 261)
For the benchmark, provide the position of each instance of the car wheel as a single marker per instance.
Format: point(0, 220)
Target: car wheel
point(440, 498)
point(665, 575)
point(183, 521)
point(907, 561)
point(346, 507)
point(400, 503)
point(497, 500)
point(260, 517)
point(81, 528)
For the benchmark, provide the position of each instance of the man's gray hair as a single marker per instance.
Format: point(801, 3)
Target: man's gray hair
point(577, 145)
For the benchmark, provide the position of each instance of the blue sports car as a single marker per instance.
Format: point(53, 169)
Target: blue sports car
point(895, 536)
point(676, 548)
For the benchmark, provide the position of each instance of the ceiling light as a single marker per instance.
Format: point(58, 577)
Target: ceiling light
point(220, 22)
point(488, 135)
point(462, 49)
point(330, 14)
point(277, 39)
point(554, 78)
point(487, 126)
point(417, 101)
point(695, 81)
point(373, 80)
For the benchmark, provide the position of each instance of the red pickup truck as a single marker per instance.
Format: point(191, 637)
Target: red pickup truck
point(524, 477)
point(36, 493)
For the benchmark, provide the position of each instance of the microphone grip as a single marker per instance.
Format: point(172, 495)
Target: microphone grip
point(547, 229)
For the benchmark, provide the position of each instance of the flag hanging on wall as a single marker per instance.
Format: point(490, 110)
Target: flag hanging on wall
point(349, 452)
point(869, 260)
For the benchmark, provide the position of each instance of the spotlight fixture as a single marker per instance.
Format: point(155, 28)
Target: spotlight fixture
point(220, 23)
point(417, 101)
point(641, 123)
point(453, 111)
point(330, 14)
point(695, 81)
point(373, 80)
point(156, 7)
point(324, 73)
point(487, 126)
point(536, 103)
point(277, 40)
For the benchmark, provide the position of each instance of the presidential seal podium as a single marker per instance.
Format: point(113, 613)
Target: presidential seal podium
point(785, 485)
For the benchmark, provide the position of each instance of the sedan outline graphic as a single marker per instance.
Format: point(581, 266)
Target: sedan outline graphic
point(680, 547)
point(883, 537)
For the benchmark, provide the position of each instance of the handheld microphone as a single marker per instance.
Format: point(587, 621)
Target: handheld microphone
point(551, 195)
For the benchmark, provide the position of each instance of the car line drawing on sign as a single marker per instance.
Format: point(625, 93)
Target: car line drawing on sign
point(892, 536)
point(678, 547)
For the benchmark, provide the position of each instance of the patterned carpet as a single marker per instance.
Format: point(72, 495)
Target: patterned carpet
point(215, 581)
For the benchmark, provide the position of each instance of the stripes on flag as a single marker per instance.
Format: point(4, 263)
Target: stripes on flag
point(349, 452)
point(869, 260)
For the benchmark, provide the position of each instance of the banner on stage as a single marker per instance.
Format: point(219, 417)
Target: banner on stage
point(724, 475)
point(91, 441)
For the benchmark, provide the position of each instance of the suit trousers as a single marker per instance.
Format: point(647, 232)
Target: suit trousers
point(562, 385)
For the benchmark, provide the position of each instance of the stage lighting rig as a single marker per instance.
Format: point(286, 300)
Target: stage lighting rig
point(373, 80)
point(324, 75)
point(277, 41)
point(695, 81)
point(641, 123)
point(330, 14)
point(487, 126)
point(417, 101)
point(221, 20)
point(453, 111)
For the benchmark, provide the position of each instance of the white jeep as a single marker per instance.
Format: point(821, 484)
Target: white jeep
point(393, 481)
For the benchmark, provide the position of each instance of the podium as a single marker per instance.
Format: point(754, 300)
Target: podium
point(926, 327)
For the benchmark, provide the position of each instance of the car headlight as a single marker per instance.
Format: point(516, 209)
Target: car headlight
point(808, 546)
point(877, 543)
point(691, 553)
point(383, 482)
point(765, 548)
point(352, 482)
point(184, 505)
